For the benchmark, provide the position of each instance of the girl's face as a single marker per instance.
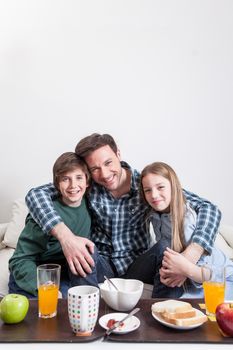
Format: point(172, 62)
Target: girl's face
point(157, 191)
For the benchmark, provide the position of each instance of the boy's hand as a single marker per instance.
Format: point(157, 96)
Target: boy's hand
point(77, 250)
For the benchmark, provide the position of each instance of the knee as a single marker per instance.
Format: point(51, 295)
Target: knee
point(161, 246)
point(95, 255)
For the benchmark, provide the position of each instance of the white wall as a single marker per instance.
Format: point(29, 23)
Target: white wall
point(157, 75)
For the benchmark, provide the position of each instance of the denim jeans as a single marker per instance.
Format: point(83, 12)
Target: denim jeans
point(146, 268)
point(14, 288)
point(64, 282)
point(102, 267)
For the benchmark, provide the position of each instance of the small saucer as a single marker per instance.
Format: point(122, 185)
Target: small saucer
point(129, 325)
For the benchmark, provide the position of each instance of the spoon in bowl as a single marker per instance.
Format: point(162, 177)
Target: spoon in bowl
point(109, 281)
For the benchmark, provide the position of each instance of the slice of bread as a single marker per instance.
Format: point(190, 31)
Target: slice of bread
point(177, 315)
point(171, 306)
point(177, 312)
point(185, 322)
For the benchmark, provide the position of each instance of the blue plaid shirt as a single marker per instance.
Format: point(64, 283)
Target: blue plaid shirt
point(120, 227)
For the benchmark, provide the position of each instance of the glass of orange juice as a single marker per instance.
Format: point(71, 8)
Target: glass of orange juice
point(48, 282)
point(213, 281)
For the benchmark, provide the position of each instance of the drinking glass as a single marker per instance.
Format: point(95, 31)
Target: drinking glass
point(213, 281)
point(48, 282)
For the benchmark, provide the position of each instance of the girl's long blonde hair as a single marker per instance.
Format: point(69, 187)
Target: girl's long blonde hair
point(177, 205)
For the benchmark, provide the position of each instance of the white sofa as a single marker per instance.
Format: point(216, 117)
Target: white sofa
point(9, 233)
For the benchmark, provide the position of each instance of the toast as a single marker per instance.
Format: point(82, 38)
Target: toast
point(179, 313)
point(185, 322)
point(171, 306)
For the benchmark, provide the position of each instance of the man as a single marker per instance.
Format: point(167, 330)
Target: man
point(120, 228)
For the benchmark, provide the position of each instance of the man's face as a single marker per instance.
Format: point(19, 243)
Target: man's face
point(105, 167)
point(72, 186)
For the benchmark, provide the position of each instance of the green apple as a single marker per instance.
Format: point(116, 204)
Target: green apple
point(13, 308)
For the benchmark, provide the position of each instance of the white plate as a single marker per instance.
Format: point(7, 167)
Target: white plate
point(131, 324)
point(161, 320)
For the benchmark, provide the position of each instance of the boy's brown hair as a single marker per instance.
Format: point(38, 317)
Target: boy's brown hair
point(68, 161)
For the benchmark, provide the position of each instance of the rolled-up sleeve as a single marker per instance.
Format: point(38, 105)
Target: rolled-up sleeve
point(208, 220)
point(40, 205)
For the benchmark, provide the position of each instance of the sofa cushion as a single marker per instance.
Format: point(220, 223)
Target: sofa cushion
point(5, 255)
point(16, 225)
point(3, 228)
point(221, 243)
point(227, 233)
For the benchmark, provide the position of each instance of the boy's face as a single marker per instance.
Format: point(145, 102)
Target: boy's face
point(72, 186)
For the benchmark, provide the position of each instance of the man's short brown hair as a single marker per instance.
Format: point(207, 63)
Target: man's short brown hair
point(92, 142)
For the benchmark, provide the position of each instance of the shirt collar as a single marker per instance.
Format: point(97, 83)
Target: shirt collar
point(135, 177)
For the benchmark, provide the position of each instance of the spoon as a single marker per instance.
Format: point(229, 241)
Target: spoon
point(111, 283)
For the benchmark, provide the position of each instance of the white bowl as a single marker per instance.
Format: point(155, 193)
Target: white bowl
point(126, 298)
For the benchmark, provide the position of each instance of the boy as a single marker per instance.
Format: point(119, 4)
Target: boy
point(34, 247)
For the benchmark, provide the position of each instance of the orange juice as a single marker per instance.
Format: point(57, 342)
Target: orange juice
point(214, 295)
point(47, 297)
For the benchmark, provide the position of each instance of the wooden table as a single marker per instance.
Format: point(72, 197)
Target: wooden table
point(57, 330)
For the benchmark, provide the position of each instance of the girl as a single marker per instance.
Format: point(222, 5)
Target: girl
point(174, 219)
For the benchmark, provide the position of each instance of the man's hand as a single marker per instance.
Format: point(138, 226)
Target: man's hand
point(193, 252)
point(77, 250)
